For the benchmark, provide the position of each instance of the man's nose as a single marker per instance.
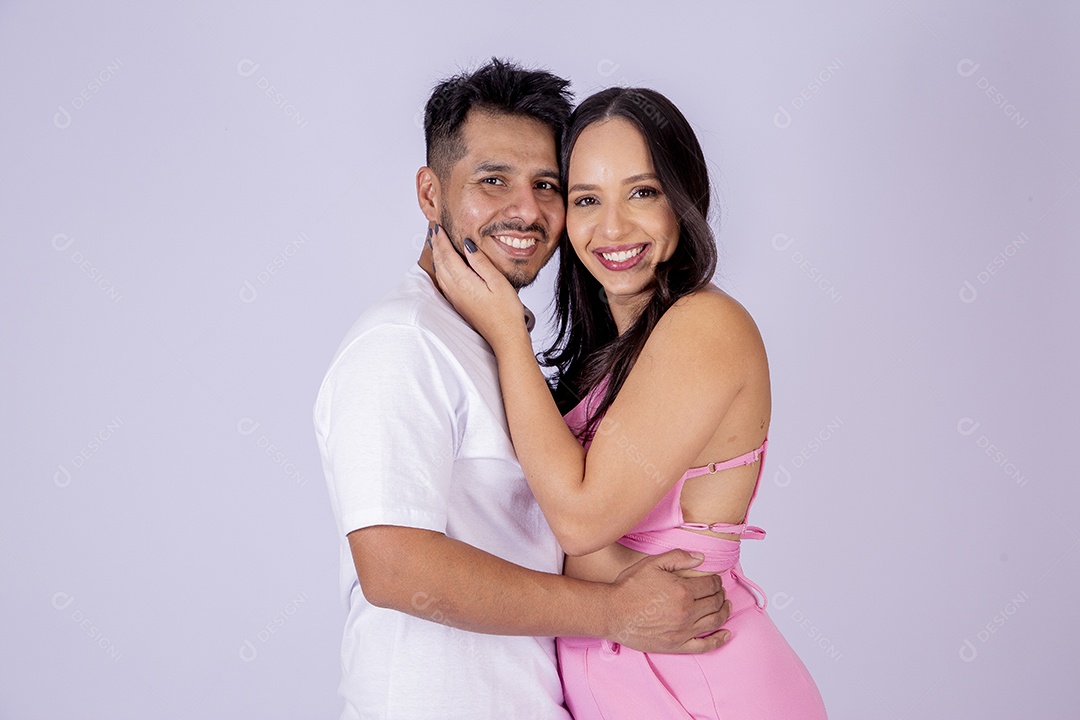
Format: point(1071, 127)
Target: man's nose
point(524, 206)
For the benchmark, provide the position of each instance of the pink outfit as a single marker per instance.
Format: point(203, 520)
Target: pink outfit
point(755, 674)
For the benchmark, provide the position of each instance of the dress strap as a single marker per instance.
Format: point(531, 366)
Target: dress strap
point(746, 532)
point(712, 468)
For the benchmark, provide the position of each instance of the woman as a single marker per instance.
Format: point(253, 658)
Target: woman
point(673, 375)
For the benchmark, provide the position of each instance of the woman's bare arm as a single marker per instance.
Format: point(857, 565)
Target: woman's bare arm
point(691, 369)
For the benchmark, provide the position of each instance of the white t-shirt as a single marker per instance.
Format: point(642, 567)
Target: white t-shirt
point(412, 432)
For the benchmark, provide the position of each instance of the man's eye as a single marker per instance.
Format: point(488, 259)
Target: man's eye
point(545, 185)
point(492, 181)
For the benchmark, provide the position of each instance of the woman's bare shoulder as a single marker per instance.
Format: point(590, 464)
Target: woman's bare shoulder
point(712, 314)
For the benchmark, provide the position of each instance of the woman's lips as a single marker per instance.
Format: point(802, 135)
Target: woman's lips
point(620, 258)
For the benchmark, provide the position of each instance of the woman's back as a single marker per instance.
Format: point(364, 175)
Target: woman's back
point(710, 497)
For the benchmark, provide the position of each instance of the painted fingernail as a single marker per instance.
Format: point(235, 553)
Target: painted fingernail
point(429, 232)
point(433, 266)
point(437, 228)
point(470, 245)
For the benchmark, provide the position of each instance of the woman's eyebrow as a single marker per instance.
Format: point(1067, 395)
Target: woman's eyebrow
point(628, 181)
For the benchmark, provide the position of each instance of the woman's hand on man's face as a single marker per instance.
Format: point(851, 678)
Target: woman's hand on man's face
point(478, 290)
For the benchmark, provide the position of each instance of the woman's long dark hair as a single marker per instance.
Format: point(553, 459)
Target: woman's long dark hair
point(588, 347)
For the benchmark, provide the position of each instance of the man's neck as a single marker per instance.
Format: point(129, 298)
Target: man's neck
point(428, 265)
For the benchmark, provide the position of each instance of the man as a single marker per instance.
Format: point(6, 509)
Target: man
point(450, 572)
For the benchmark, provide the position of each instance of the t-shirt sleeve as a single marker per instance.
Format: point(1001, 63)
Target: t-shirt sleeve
point(387, 417)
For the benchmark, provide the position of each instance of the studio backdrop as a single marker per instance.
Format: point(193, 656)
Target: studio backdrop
point(197, 199)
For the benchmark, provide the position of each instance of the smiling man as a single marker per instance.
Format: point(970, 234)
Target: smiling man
point(497, 183)
point(449, 571)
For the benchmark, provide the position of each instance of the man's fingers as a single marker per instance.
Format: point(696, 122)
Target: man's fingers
point(678, 560)
point(705, 644)
point(724, 614)
point(712, 621)
point(705, 586)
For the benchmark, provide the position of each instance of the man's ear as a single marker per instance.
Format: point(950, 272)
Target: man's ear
point(428, 193)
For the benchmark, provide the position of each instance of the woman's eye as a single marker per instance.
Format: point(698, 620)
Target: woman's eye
point(645, 192)
point(585, 201)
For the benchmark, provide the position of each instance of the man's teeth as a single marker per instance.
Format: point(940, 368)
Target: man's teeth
point(622, 254)
point(516, 242)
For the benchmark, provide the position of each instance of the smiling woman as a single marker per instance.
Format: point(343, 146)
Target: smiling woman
point(645, 174)
point(619, 221)
point(669, 373)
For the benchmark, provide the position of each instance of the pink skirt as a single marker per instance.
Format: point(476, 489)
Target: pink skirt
point(755, 674)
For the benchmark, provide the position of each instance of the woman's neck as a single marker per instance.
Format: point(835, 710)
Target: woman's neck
point(625, 310)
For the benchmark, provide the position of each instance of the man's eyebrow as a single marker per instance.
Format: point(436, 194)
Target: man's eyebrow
point(497, 167)
point(582, 187)
point(493, 167)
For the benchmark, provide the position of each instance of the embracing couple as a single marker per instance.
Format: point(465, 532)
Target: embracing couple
point(517, 547)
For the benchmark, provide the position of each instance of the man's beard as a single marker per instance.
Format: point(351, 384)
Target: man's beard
point(517, 275)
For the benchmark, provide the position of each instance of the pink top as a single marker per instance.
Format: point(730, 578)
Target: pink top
point(664, 527)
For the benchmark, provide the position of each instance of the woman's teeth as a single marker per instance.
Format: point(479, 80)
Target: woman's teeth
point(622, 254)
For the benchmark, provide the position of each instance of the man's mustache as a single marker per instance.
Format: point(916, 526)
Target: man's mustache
point(501, 227)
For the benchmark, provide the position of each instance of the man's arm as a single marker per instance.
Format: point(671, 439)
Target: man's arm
point(433, 577)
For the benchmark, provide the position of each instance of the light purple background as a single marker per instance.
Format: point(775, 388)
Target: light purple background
point(183, 252)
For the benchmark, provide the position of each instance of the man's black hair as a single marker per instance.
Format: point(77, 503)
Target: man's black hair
point(499, 86)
